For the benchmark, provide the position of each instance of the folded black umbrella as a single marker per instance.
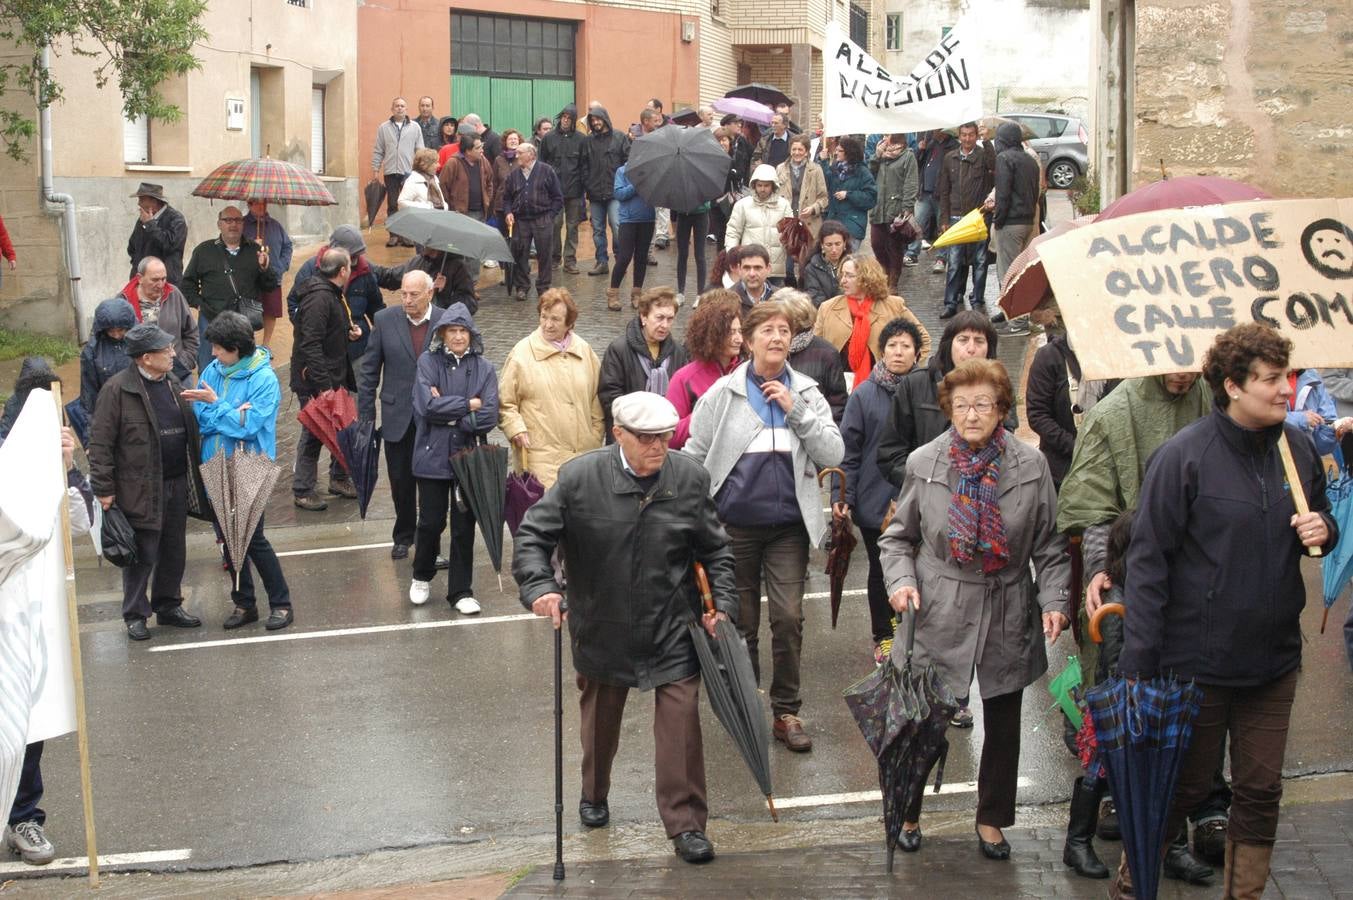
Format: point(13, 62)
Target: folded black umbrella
point(374, 194)
point(481, 473)
point(678, 168)
point(361, 446)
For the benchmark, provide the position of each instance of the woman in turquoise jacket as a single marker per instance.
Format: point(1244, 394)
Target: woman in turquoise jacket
point(235, 402)
point(851, 190)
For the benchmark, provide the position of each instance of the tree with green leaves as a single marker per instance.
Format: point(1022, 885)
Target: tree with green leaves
point(134, 44)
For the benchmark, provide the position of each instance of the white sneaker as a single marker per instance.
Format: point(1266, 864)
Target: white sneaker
point(681, 298)
point(925, 245)
point(418, 592)
point(490, 263)
point(467, 606)
point(30, 843)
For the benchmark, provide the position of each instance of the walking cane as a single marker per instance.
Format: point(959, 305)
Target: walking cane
point(559, 747)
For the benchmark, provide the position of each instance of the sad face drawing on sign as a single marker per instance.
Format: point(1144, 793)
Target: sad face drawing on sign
point(1328, 247)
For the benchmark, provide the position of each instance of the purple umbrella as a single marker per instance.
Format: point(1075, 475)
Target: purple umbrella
point(749, 110)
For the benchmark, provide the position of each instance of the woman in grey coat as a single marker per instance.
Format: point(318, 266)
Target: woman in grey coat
point(977, 506)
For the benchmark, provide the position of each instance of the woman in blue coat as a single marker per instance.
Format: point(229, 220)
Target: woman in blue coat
point(851, 190)
point(637, 220)
point(455, 406)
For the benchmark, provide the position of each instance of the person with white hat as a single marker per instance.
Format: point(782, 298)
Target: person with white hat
point(630, 521)
point(756, 217)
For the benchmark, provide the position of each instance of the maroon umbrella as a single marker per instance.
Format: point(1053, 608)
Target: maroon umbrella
point(1026, 282)
point(523, 490)
point(840, 545)
point(328, 414)
point(1180, 193)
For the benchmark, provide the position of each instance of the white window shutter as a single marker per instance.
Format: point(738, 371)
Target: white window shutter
point(317, 130)
point(136, 141)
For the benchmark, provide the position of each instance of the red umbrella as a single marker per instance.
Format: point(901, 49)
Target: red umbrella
point(328, 414)
point(840, 545)
point(1026, 283)
point(1180, 193)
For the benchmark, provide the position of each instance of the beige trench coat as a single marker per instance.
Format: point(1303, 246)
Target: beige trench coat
point(835, 325)
point(812, 193)
point(551, 395)
point(970, 622)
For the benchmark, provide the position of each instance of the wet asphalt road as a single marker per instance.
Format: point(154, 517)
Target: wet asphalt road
point(423, 727)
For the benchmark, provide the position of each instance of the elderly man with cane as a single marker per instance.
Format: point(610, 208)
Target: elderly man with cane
point(630, 521)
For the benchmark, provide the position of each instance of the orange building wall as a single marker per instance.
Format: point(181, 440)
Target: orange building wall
point(624, 57)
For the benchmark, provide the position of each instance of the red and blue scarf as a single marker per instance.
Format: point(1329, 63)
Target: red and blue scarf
point(975, 523)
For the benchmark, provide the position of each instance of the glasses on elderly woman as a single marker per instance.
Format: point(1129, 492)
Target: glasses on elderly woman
point(648, 439)
point(982, 405)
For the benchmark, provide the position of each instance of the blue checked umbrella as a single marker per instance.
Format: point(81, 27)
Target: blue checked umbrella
point(1143, 729)
point(1337, 565)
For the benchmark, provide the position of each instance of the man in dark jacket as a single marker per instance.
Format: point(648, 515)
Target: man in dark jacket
point(388, 368)
point(966, 178)
point(224, 273)
point(604, 151)
point(105, 353)
point(562, 149)
point(451, 279)
point(1016, 197)
point(531, 199)
point(930, 153)
point(363, 292)
point(319, 362)
point(645, 357)
point(143, 455)
point(631, 520)
point(160, 231)
point(1053, 414)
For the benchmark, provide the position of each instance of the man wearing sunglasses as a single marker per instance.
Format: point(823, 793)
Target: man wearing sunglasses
point(630, 521)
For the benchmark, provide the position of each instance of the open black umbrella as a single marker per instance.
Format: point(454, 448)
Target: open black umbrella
point(481, 472)
point(726, 670)
point(761, 93)
point(903, 715)
point(840, 545)
point(361, 446)
point(677, 168)
point(686, 116)
point(450, 232)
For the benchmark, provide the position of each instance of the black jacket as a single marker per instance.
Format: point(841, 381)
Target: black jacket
point(602, 155)
point(818, 280)
point(1214, 569)
point(165, 238)
point(965, 183)
point(459, 287)
point(621, 371)
point(562, 149)
point(821, 362)
point(629, 557)
point(1016, 180)
point(319, 351)
point(216, 279)
point(1048, 403)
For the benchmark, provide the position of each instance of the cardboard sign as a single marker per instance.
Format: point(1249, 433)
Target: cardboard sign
point(859, 96)
point(1148, 294)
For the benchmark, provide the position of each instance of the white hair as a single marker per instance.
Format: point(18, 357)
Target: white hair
point(472, 119)
point(528, 146)
point(423, 279)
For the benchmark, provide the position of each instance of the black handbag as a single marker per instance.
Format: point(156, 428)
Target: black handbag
point(249, 307)
point(118, 538)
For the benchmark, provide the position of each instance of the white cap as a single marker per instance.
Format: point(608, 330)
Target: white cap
point(644, 412)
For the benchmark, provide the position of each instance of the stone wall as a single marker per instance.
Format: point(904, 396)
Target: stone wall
point(1259, 90)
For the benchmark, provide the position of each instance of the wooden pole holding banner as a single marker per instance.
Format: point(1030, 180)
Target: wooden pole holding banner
point(77, 669)
point(1294, 484)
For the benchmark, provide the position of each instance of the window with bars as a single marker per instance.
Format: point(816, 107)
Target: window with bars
point(506, 46)
point(892, 39)
point(859, 25)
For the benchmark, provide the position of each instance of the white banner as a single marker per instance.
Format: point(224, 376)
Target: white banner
point(859, 96)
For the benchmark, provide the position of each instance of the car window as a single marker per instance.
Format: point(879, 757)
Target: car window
point(1043, 127)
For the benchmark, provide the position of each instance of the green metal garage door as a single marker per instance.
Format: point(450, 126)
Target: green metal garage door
point(511, 70)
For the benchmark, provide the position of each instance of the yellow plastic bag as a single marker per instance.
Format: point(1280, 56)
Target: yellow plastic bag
point(967, 230)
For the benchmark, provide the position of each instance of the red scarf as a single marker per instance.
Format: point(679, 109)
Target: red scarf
point(857, 353)
point(359, 268)
point(132, 294)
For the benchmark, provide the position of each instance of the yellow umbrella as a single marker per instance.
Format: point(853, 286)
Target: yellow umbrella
point(967, 230)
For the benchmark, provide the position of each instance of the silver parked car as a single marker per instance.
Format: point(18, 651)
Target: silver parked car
point(1062, 144)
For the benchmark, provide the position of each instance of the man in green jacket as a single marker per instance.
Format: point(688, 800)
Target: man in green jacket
point(223, 273)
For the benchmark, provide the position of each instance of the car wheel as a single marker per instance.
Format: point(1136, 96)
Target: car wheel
point(1061, 173)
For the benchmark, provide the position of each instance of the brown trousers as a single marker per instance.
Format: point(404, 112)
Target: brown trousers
point(1256, 720)
point(678, 758)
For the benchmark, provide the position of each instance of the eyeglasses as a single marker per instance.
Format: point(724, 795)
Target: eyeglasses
point(648, 439)
point(231, 220)
point(983, 407)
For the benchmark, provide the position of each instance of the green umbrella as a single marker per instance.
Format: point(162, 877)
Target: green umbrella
point(442, 229)
point(1063, 685)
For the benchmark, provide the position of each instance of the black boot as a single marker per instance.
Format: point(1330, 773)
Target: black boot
point(1079, 852)
point(1181, 865)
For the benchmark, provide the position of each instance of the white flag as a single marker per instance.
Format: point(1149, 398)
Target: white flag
point(859, 96)
point(37, 689)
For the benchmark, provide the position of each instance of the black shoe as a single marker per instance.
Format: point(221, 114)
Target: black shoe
point(909, 841)
point(176, 617)
point(1181, 865)
point(278, 619)
point(1209, 841)
point(693, 847)
point(998, 851)
point(949, 312)
point(441, 562)
point(593, 815)
point(137, 630)
point(399, 551)
point(1079, 851)
point(239, 617)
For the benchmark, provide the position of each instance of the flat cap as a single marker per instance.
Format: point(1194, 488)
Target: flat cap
point(145, 338)
point(644, 412)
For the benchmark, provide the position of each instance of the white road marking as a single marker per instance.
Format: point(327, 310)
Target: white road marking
point(960, 787)
point(81, 863)
point(335, 549)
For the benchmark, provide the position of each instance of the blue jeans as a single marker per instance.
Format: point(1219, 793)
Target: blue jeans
point(601, 214)
point(262, 555)
point(25, 808)
point(927, 219)
point(961, 258)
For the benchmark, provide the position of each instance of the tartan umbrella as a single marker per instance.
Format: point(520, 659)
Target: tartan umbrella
point(265, 179)
point(238, 487)
point(325, 416)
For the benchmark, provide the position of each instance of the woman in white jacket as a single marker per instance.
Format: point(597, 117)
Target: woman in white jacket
point(421, 190)
point(755, 217)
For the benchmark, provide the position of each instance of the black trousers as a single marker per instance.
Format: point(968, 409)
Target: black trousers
point(524, 232)
point(691, 229)
point(403, 486)
point(160, 557)
point(393, 185)
point(880, 613)
point(263, 557)
point(434, 505)
point(25, 808)
point(632, 245)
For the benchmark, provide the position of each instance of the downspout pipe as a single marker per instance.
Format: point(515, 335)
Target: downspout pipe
point(63, 205)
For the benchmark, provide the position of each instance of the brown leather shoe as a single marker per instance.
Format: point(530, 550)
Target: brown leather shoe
point(613, 298)
point(789, 730)
point(635, 294)
point(571, 267)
